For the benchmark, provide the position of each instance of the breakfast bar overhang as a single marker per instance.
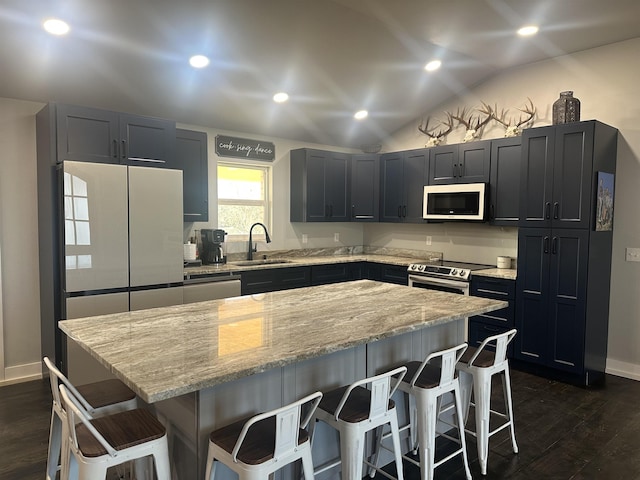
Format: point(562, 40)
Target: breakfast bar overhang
point(204, 365)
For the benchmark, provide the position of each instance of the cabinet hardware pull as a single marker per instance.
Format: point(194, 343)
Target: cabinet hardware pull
point(399, 211)
point(546, 245)
point(115, 148)
point(353, 211)
point(547, 210)
point(492, 212)
point(404, 211)
point(556, 206)
point(484, 290)
point(554, 246)
point(124, 149)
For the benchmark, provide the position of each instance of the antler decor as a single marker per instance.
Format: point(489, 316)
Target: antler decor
point(435, 137)
point(514, 130)
point(473, 127)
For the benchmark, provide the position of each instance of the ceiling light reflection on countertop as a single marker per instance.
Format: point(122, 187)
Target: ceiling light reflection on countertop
point(56, 26)
point(280, 97)
point(198, 61)
point(361, 115)
point(528, 30)
point(433, 65)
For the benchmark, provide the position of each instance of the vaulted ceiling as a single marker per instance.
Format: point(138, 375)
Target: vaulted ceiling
point(333, 57)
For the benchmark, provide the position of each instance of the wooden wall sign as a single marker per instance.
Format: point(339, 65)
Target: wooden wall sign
point(245, 148)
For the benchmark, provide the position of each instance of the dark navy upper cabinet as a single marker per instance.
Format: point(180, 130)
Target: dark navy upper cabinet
point(94, 135)
point(403, 176)
point(504, 184)
point(557, 174)
point(320, 183)
point(564, 263)
point(192, 159)
point(460, 163)
point(365, 188)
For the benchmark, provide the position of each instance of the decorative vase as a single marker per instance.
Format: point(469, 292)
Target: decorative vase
point(566, 109)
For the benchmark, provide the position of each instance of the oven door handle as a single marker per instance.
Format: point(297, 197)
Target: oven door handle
point(423, 280)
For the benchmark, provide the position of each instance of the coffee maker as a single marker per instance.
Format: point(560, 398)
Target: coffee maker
point(212, 246)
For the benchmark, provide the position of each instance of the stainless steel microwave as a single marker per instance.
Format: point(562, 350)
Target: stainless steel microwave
point(460, 201)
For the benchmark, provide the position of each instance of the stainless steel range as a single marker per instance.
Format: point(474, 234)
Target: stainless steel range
point(447, 276)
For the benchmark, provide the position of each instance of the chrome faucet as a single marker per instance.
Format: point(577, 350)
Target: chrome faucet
point(253, 249)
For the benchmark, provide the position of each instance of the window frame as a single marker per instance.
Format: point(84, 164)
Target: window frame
point(267, 170)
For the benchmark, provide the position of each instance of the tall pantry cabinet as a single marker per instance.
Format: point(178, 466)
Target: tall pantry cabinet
point(564, 264)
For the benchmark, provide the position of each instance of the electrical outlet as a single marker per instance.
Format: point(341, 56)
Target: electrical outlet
point(305, 238)
point(336, 237)
point(428, 239)
point(632, 254)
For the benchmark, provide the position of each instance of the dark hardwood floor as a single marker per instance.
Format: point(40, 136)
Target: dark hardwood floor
point(563, 432)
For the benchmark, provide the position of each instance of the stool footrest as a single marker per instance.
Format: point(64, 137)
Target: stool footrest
point(326, 466)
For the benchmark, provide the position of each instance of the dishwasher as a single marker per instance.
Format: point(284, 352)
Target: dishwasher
point(211, 287)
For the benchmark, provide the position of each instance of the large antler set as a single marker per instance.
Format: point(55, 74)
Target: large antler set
point(474, 124)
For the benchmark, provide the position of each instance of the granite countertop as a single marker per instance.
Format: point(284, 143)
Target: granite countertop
point(504, 273)
point(294, 258)
point(165, 352)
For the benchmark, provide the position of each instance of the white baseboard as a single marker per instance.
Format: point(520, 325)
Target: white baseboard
point(22, 373)
point(623, 369)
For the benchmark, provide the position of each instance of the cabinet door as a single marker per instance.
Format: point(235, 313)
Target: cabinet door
point(365, 188)
point(391, 185)
point(192, 159)
point(504, 184)
point(394, 274)
point(572, 173)
point(532, 295)
point(86, 134)
point(146, 141)
point(324, 274)
point(416, 169)
point(316, 205)
point(336, 184)
point(443, 165)
point(567, 298)
point(536, 176)
point(474, 162)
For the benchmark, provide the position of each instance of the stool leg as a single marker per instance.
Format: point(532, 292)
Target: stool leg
point(482, 396)
point(376, 453)
point(506, 386)
point(55, 445)
point(161, 459)
point(307, 463)
point(459, 420)
point(351, 452)
point(211, 466)
point(426, 433)
point(413, 424)
point(395, 436)
point(465, 380)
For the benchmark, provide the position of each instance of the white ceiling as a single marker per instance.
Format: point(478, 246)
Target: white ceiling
point(333, 57)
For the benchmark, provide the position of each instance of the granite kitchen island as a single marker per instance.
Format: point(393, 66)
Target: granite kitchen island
point(203, 365)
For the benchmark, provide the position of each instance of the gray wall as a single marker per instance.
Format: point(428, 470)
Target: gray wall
point(605, 80)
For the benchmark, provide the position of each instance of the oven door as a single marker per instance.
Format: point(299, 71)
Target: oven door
point(441, 284)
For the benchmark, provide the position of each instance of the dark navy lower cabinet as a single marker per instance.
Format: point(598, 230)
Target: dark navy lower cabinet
point(273, 279)
point(499, 321)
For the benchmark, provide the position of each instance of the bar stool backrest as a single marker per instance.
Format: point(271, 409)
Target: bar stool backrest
point(288, 425)
point(448, 360)
point(57, 378)
point(76, 414)
point(500, 342)
point(381, 392)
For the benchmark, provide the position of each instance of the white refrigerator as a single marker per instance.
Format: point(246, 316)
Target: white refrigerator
point(122, 245)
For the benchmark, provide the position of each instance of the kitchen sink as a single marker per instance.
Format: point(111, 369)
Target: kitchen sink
point(265, 261)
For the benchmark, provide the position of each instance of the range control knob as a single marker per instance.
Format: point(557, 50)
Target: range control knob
point(454, 271)
point(462, 272)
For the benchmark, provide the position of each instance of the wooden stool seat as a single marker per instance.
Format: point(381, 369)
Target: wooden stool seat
point(259, 444)
point(106, 392)
point(486, 358)
point(122, 430)
point(356, 408)
point(429, 377)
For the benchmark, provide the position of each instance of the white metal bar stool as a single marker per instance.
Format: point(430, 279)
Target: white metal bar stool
point(482, 364)
point(99, 443)
point(354, 410)
point(426, 383)
point(100, 398)
point(257, 447)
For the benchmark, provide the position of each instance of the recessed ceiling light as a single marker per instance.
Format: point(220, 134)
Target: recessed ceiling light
point(528, 30)
point(361, 115)
point(198, 61)
point(280, 97)
point(56, 27)
point(433, 65)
